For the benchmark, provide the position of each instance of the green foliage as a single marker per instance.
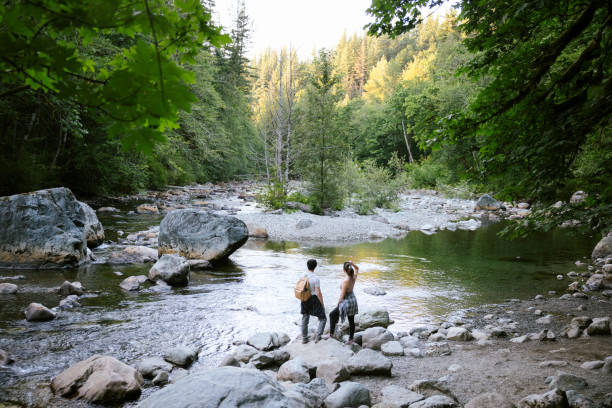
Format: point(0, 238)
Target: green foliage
point(428, 174)
point(368, 186)
point(274, 196)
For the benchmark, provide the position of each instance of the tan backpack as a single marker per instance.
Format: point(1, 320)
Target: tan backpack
point(302, 289)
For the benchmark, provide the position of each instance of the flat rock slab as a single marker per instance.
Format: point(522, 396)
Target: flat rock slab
point(369, 362)
point(268, 340)
point(223, 386)
point(490, 400)
point(400, 396)
point(565, 381)
point(392, 348)
point(350, 394)
point(182, 355)
point(313, 354)
point(436, 401)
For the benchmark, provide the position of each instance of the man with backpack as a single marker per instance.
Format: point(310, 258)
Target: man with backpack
point(308, 290)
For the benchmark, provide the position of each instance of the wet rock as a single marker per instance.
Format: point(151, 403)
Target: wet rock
point(459, 334)
point(332, 371)
point(375, 291)
point(71, 288)
point(312, 394)
point(437, 349)
point(414, 352)
point(603, 249)
point(576, 400)
point(303, 224)
point(600, 325)
point(99, 379)
point(5, 358)
point(374, 337)
point(172, 269)
point(295, 370)
point(150, 367)
point(486, 202)
point(69, 302)
point(35, 312)
point(94, 232)
point(162, 378)
point(490, 400)
point(400, 397)
point(268, 341)
point(8, 288)
point(42, 229)
point(369, 362)
point(223, 386)
point(349, 394)
point(133, 255)
point(372, 318)
point(392, 348)
point(565, 381)
point(200, 235)
point(552, 399)
point(133, 283)
point(147, 209)
point(521, 339)
point(181, 355)
point(108, 209)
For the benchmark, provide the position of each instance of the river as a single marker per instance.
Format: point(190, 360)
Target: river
point(426, 277)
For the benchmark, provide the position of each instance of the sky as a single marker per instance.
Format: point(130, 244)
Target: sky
point(305, 24)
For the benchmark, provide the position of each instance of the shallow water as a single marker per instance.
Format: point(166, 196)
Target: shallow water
point(426, 277)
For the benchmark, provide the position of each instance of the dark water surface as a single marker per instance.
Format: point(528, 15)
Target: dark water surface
point(426, 277)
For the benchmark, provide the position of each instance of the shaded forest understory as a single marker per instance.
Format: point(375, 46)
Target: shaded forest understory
point(512, 100)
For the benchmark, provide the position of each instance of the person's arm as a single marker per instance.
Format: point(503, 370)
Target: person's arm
point(320, 296)
point(356, 269)
point(342, 291)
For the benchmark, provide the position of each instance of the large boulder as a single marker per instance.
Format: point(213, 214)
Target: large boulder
point(369, 362)
point(133, 255)
point(172, 269)
point(349, 394)
point(181, 355)
point(244, 352)
point(295, 370)
point(8, 288)
point(200, 235)
point(268, 340)
point(99, 379)
point(564, 381)
point(459, 334)
point(599, 325)
point(552, 399)
point(42, 229)
point(312, 394)
point(332, 371)
point(264, 359)
point(223, 386)
point(372, 318)
point(374, 337)
point(603, 249)
point(313, 354)
point(150, 367)
point(35, 312)
point(486, 202)
point(94, 232)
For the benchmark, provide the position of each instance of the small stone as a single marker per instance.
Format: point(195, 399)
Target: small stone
point(8, 288)
point(540, 297)
point(415, 352)
point(600, 325)
point(71, 288)
point(392, 348)
point(454, 368)
point(565, 381)
point(592, 365)
point(35, 312)
point(552, 363)
point(538, 312)
point(69, 302)
point(607, 367)
point(161, 379)
point(182, 355)
point(559, 277)
point(545, 320)
point(5, 358)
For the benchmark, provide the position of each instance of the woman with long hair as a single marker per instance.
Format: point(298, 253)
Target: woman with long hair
point(347, 303)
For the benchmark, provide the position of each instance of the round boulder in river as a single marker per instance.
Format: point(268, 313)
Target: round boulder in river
point(172, 269)
point(200, 235)
point(94, 232)
point(42, 229)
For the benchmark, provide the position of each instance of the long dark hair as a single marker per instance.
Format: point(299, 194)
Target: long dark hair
point(348, 268)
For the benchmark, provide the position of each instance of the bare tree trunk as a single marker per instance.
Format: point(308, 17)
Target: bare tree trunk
point(290, 99)
point(278, 157)
point(407, 144)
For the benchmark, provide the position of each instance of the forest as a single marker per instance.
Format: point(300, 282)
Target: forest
point(511, 98)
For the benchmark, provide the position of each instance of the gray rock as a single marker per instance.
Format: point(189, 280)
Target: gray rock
point(431, 387)
point(603, 249)
point(201, 235)
point(268, 340)
point(409, 341)
point(295, 371)
point(369, 362)
point(108, 209)
point(162, 378)
point(486, 202)
point(99, 379)
point(269, 358)
point(35, 312)
point(600, 325)
point(69, 302)
point(303, 224)
point(552, 363)
point(5, 358)
point(94, 232)
point(42, 229)
point(374, 337)
point(545, 320)
point(459, 334)
point(298, 206)
point(595, 282)
point(349, 394)
point(332, 371)
point(520, 339)
point(177, 373)
point(132, 283)
point(565, 381)
point(607, 367)
point(132, 255)
point(490, 400)
point(552, 399)
point(592, 365)
point(147, 209)
point(71, 288)
point(149, 367)
point(313, 353)
point(436, 401)
point(372, 318)
point(198, 264)
point(229, 360)
point(244, 352)
point(8, 288)
point(437, 337)
point(399, 396)
point(312, 394)
point(582, 322)
point(223, 387)
point(578, 197)
point(576, 400)
point(392, 348)
point(415, 352)
point(437, 349)
point(375, 291)
point(607, 401)
point(172, 269)
point(181, 355)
